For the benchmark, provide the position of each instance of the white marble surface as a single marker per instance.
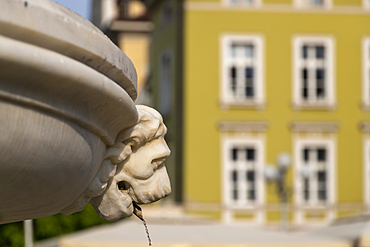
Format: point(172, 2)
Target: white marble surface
point(66, 94)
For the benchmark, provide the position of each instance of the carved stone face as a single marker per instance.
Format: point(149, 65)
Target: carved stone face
point(141, 178)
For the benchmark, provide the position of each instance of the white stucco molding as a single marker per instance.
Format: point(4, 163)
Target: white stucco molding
point(314, 126)
point(242, 126)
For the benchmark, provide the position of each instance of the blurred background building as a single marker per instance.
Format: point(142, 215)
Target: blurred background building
point(241, 81)
point(127, 24)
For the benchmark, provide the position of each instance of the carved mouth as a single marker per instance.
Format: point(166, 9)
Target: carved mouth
point(123, 186)
point(148, 196)
point(158, 163)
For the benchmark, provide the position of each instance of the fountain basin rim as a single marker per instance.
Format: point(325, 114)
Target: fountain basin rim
point(63, 31)
point(65, 88)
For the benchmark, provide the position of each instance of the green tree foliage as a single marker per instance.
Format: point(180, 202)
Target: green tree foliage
point(12, 235)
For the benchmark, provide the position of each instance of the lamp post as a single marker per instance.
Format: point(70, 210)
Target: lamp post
point(277, 174)
point(28, 233)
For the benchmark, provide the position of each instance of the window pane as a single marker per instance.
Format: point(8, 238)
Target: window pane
point(305, 51)
point(233, 50)
point(235, 194)
point(250, 176)
point(306, 152)
point(249, 51)
point(249, 72)
point(306, 189)
point(320, 83)
point(322, 195)
point(233, 80)
point(321, 154)
point(249, 92)
point(249, 85)
point(317, 2)
point(234, 154)
point(320, 74)
point(304, 74)
point(320, 52)
point(305, 84)
point(233, 72)
point(234, 176)
point(251, 195)
point(321, 176)
point(250, 154)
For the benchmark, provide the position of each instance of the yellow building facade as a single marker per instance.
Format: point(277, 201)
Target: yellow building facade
point(263, 77)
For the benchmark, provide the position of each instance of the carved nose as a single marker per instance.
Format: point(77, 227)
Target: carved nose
point(165, 151)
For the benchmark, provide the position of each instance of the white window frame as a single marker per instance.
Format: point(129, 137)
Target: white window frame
point(298, 63)
point(299, 146)
point(366, 73)
point(258, 64)
point(243, 3)
point(165, 81)
point(366, 170)
point(227, 144)
point(301, 4)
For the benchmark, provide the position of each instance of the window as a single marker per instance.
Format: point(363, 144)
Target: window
point(366, 72)
point(313, 72)
point(243, 180)
point(165, 82)
point(167, 13)
point(315, 167)
point(242, 81)
point(313, 3)
point(315, 185)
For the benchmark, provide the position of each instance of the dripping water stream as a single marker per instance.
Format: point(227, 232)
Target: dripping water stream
point(139, 214)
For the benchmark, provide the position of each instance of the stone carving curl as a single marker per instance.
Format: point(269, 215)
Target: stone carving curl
point(132, 171)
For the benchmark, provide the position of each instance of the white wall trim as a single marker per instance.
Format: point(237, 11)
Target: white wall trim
point(300, 4)
point(254, 4)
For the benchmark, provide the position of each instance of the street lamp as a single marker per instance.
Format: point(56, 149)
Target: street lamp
point(277, 174)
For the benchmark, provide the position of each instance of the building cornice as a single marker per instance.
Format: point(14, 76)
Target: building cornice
point(276, 8)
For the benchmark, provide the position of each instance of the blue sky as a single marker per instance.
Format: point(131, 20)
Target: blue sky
point(81, 7)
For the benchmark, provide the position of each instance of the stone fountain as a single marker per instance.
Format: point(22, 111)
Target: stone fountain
point(70, 131)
